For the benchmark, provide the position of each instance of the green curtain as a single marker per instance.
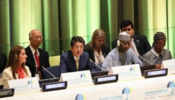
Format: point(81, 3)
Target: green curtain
point(19, 17)
point(4, 26)
point(50, 26)
point(59, 20)
point(78, 17)
point(171, 25)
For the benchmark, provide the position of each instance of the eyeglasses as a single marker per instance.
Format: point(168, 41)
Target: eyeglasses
point(37, 37)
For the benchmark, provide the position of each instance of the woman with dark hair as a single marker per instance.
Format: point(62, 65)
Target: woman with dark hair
point(16, 68)
point(97, 47)
point(157, 54)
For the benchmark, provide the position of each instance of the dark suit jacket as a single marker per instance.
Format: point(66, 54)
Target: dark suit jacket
point(141, 43)
point(3, 61)
point(43, 58)
point(105, 51)
point(67, 63)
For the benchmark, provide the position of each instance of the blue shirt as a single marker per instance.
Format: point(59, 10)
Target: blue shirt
point(113, 56)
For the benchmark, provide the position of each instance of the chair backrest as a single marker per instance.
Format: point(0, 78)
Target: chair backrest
point(54, 60)
point(99, 69)
point(54, 70)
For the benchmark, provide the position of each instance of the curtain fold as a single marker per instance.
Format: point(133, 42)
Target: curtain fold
point(171, 25)
point(51, 26)
point(78, 17)
point(4, 26)
point(151, 18)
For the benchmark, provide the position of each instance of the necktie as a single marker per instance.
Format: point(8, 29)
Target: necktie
point(37, 60)
point(77, 63)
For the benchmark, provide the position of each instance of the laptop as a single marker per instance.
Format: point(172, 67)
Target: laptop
point(146, 67)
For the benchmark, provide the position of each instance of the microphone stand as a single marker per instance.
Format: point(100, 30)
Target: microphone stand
point(48, 72)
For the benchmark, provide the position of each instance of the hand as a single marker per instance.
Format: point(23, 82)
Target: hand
point(158, 66)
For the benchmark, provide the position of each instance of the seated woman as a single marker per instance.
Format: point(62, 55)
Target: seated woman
point(97, 47)
point(157, 54)
point(16, 68)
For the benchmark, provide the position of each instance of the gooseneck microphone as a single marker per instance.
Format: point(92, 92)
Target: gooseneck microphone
point(48, 72)
point(97, 65)
point(146, 60)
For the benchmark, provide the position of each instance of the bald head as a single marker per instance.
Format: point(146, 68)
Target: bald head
point(32, 32)
point(35, 37)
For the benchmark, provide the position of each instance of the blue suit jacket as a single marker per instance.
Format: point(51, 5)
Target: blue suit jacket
point(3, 61)
point(67, 63)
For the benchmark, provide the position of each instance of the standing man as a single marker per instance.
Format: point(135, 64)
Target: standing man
point(139, 43)
point(75, 59)
point(123, 54)
point(36, 57)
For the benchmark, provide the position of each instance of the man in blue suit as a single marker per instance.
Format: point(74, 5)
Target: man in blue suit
point(75, 59)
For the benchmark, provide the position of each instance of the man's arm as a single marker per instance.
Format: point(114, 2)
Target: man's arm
point(92, 66)
point(63, 66)
point(109, 59)
point(135, 59)
point(3, 61)
point(47, 60)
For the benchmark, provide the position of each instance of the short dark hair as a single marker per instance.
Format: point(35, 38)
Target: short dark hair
point(77, 39)
point(126, 23)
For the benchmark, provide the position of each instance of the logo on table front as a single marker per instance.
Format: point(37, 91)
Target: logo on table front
point(80, 97)
point(83, 76)
point(171, 85)
point(127, 91)
point(30, 83)
point(133, 69)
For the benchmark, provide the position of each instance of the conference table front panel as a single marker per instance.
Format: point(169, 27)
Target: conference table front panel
point(159, 88)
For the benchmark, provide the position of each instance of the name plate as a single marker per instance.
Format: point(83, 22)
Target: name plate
point(106, 79)
point(170, 65)
point(155, 73)
point(54, 86)
point(127, 72)
point(27, 85)
point(76, 79)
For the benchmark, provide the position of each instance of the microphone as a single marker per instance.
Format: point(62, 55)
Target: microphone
point(97, 65)
point(146, 60)
point(48, 72)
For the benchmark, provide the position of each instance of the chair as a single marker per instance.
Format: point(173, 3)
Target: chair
point(99, 69)
point(54, 60)
point(53, 70)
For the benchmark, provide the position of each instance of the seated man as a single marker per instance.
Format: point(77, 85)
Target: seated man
point(157, 54)
point(3, 61)
point(122, 54)
point(36, 57)
point(139, 43)
point(75, 59)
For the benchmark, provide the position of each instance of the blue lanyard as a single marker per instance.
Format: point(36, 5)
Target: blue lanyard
point(157, 59)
